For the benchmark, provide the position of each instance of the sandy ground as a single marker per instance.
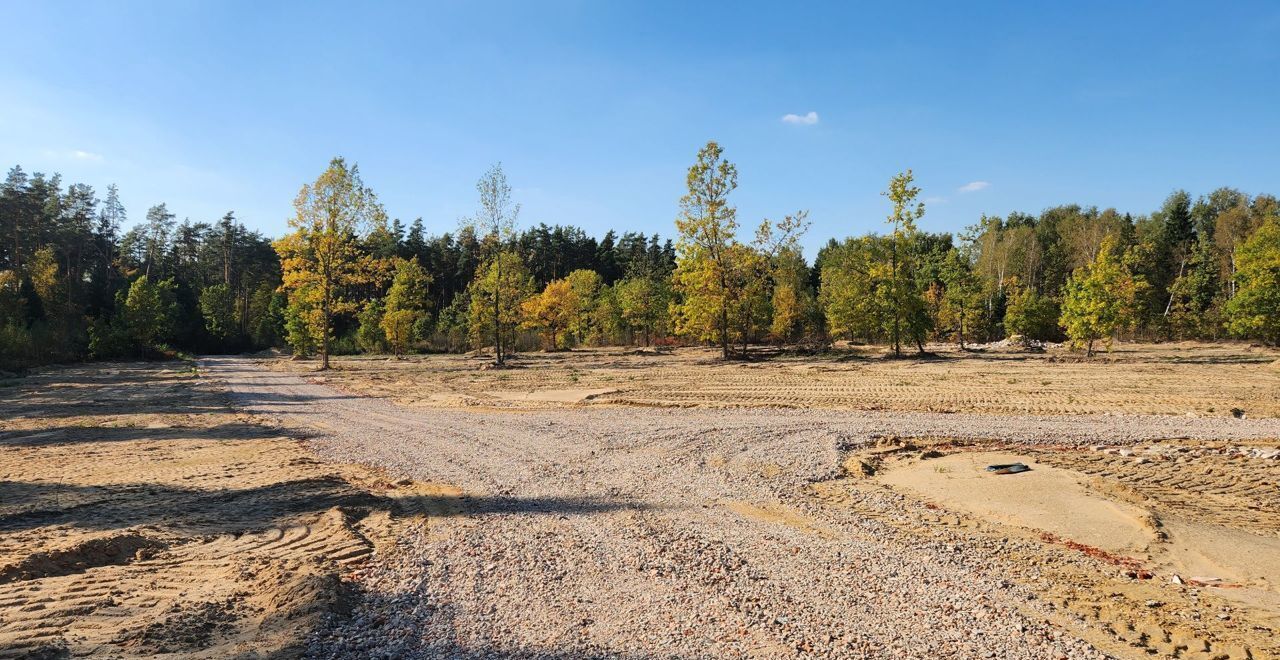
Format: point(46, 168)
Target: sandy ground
point(637, 505)
point(1203, 380)
point(1054, 500)
point(140, 516)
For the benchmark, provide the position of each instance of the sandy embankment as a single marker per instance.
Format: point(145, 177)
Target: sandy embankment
point(140, 516)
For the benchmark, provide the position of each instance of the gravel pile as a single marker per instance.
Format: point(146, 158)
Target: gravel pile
point(654, 533)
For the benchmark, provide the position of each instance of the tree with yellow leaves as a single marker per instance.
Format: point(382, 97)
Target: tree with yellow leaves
point(320, 257)
point(723, 285)
point(791, 300)
point(551, 311)
point(705, 270)
point(563, 308)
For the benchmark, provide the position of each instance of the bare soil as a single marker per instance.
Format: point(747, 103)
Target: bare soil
point(644, 504)
point(1203, 380)
point(140, 516)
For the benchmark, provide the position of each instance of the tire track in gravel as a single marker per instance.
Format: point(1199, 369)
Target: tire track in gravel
point(669, 533)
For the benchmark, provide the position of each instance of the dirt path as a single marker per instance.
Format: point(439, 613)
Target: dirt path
point(634, 532)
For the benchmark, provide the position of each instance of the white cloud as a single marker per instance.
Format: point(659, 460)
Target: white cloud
point(806, 120)
point(86, 155)
point(974, 186)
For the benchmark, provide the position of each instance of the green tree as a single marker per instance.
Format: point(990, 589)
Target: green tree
point(300, 325)
point(496, 222)
point(370, 336)
point(905, 299)
point(1177, 234)
point(149, 312)
point(217, 305)
point(501, 277)
point(642, 303)
point(1030, 315)
point(266, 315)
point(454, 321)
point(1193, 294)
point(159, 231)
point(962, 297)
point(1101, 300)
point(1255, 309)
point(607, 323)
point(853, 274)
point(406, 304)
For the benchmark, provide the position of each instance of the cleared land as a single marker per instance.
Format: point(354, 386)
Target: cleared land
point(141, 516)
point(641, 505)
point(1170, 379)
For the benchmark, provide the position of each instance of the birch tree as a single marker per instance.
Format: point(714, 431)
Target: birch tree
point(906, 304)
point(496, 224)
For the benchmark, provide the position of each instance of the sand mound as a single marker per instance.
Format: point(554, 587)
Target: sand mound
point(80, 557)
point(163, 523)
point(1046, 498)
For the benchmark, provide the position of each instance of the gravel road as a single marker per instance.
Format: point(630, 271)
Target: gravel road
point(670, 533)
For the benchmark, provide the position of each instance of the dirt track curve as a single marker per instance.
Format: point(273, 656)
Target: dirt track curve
point(602, 531)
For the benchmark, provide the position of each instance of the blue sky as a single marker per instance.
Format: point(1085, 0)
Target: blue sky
point(596, 109)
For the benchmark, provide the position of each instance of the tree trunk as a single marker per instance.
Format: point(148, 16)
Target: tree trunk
point(324, 341)
point(497, 314)
point(1232, 294)
point(724, 330)
point(1181, 268)
point(893, 295)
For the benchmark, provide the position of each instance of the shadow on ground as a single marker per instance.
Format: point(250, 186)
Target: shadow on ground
point(26, 505)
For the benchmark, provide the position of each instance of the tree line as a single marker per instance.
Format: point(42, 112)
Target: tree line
point(346, 278)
